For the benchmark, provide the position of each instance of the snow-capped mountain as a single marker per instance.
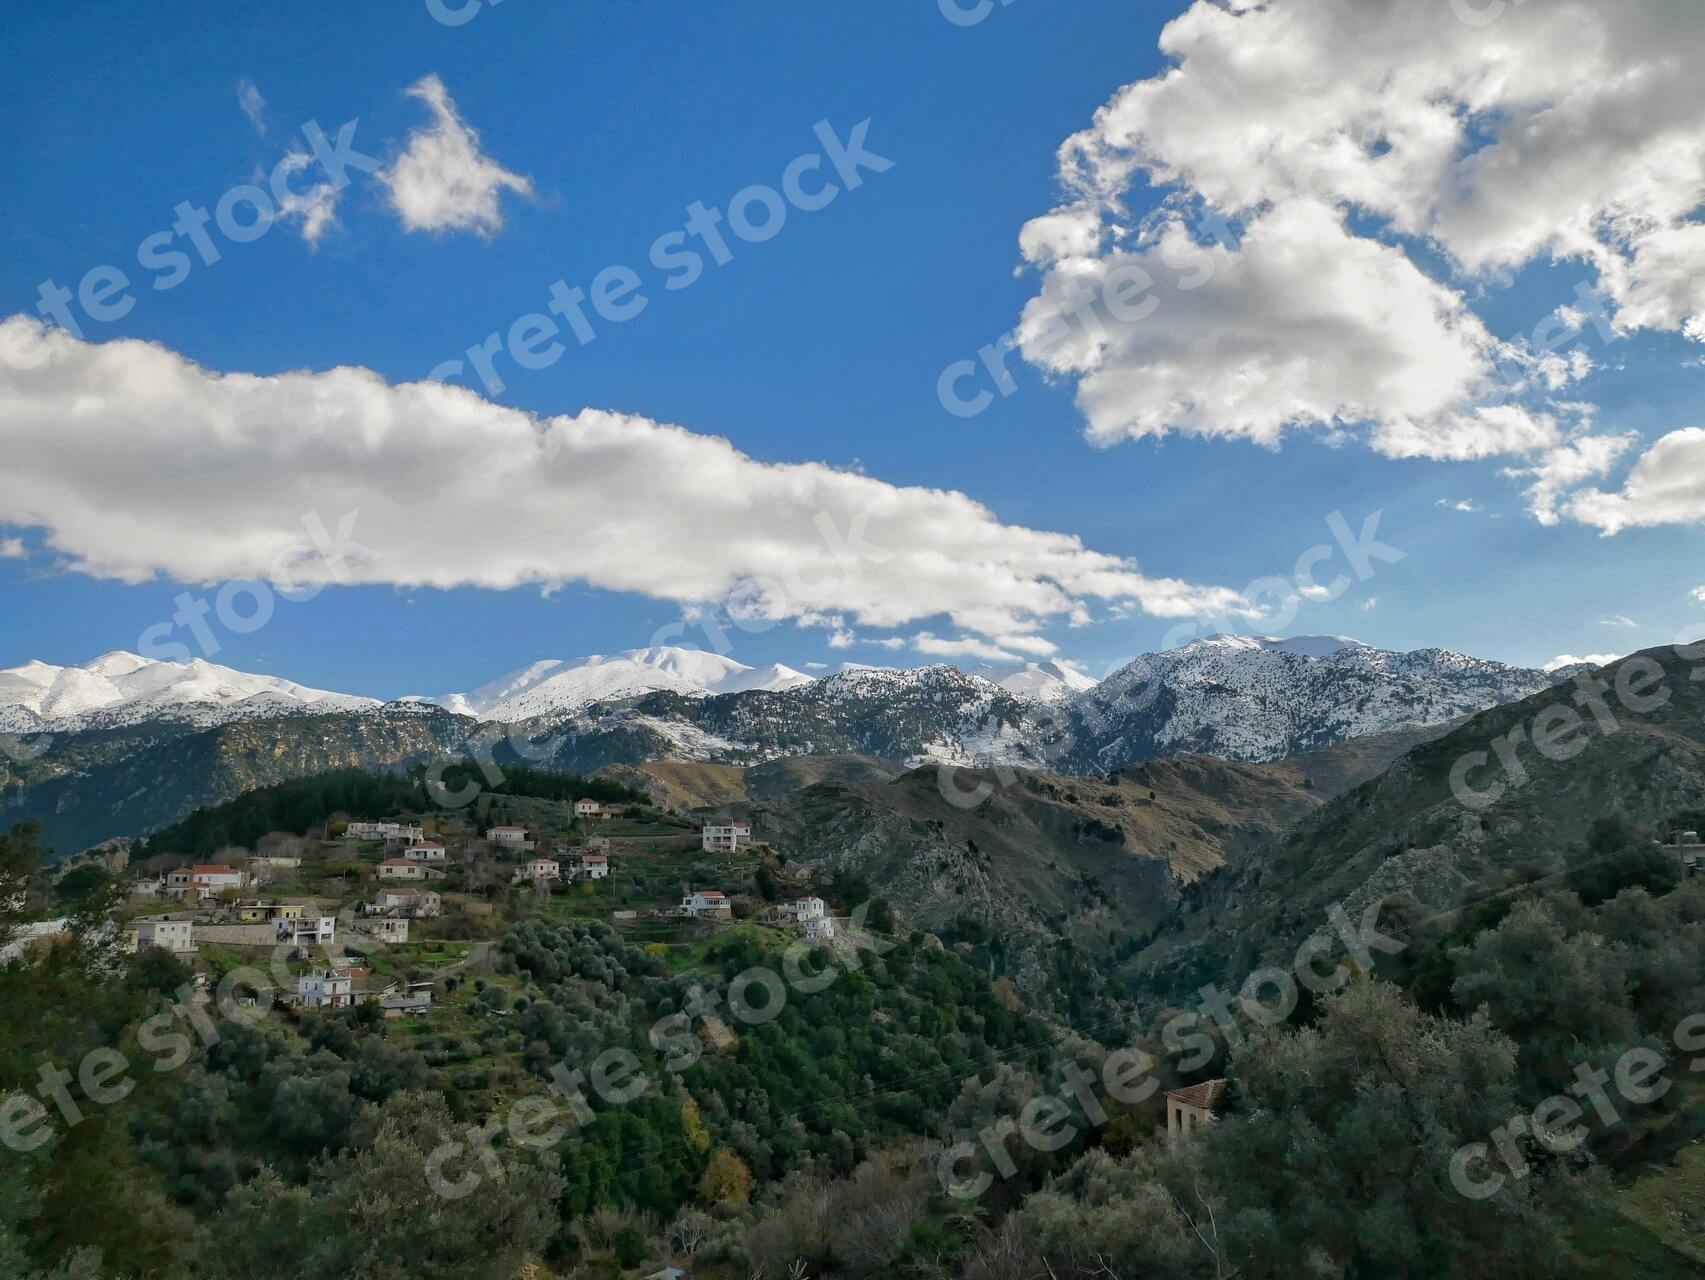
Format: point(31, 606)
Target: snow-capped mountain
point(1257, 698)
point(558, 686)
point(1238, 697)
point(1042, 681)
point(122, 688)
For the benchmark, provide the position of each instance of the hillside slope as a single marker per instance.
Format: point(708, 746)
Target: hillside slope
point(88, 787)
point(1406, 833)
point(689, 785)
point(1043, 859)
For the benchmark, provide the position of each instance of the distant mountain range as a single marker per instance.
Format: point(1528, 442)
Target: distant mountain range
point(1264, 675)
point(70, 735)
point(121, 688)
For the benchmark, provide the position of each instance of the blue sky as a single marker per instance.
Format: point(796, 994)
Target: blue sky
point(822, 344)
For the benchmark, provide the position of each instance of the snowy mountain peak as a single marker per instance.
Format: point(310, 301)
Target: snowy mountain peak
point(1038, 681)
point(560, 685)
point(1302, 646)
point(121, 688)
point(1261, 698)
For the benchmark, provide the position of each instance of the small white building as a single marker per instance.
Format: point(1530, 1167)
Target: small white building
point(307, 930)
point(276, 861)
point(176, 936)
point(401, 869)
point(538, 869)
point(416, 1004)
point(326, 989)
point(417, 904)
point(204, 880)
point(426, 852)
point(706, 904)
point(24, 936)
point(726, 839)
point(810, 909)
point(592, 866)
point(391, 930)
point(821, 928)
point(379, 831)
point(507, 837)
point(1189, 1108)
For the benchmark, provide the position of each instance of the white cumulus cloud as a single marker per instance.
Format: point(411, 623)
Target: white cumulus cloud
point(1570, 660)
point(442, 181)
point(1334, 140)
point(1665, 486)
point(314, 210)
point(452, 490)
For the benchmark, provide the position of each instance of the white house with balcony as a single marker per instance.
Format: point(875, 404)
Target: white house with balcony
point(326, 989)
point(592, 866)
point(706, 904)
point(426, 852)
point(417, 904)
point(307, 930)
point(176, 936)
point(204, 880)
point(726, 839)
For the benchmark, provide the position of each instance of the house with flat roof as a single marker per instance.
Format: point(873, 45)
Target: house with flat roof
point(414, 904)
point(726, 839)
point(706, 904)
point(176, 936)
point(326, 989)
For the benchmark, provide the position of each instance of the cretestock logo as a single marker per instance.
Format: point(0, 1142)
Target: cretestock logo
point(1267, 998)
point(244, 605)
point(1640, 1080)
point(755, 214)
point(242, 215)
point(1557, 733)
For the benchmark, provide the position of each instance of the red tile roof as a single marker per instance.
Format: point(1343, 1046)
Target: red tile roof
point(1204, 1095)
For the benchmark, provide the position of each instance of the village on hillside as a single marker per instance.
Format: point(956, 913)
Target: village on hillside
point(400, 911)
